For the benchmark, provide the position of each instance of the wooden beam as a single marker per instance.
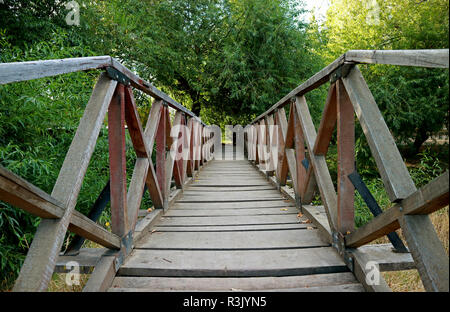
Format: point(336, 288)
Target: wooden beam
point(318, 163)
point(23, 71)
point(282, 166)
point(134, 125)
point(300, 156)
point(427, 250)
point(361, 269)
point(429, 198)
point(395, 176)
point(346, 160)
point(435, 58)
point(117, 163)
point(22, 194)
point(161, 153)
point(327, 123)
point(39, 264)
point(386, 257)
point(103, 275)
point(143, 170)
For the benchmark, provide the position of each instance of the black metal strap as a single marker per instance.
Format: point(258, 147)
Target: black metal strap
point(370, 201)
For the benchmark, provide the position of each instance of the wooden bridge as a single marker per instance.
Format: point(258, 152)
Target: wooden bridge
point(244, 224)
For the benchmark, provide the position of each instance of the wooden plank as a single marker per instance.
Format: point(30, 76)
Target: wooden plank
point(41, 258)
point(319, 219)
point(86, 259)
point(301, 187)
point(117, 163)
point(24, 195)
point(346, 160)
point(228, 212)
point(134, 125)
point(102, 276)
point(318, 163)
point(177, 150)
point(239, 263)
point(234, 205)
point(429, 198)
point(361, 270)
point(161, 154)
point(232, 284)
point(282, 127)
point(150, 134)
point(395, 176)
point(301, 238)
point(434, 58)
point(327, 123)
point(427, 250)
point(232, 228)
point(195, 188)
point(236, 192)
point(228, 220)
point(321, 289)
point(171, 159)
point(386, 257)
point(23, 71)
point(312, 83)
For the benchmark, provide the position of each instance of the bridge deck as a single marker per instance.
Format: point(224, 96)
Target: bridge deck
point(232, 230)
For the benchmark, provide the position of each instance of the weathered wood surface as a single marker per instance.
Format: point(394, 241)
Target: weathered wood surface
point(393, 171)
point(231, 284)
point(228, 232)
point(22, 194)
point(427, 199)
point(239, 263)
point(436, 58)
point(48, 239)
point(281, 239)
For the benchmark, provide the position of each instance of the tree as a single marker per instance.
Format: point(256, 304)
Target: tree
point(414, 101)
point(222, 58)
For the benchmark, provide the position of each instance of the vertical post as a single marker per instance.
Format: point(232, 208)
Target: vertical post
point(161, 152)
point(117, 162)
point(177, 129)
point(300, 156)
point(346, 160)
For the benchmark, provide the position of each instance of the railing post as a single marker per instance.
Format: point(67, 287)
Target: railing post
point(161, 153)
point(346, 160)
point(117, 162)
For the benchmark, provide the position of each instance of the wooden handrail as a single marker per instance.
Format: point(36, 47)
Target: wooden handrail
point(24, 71)
point(112, 95)
point(349, 95)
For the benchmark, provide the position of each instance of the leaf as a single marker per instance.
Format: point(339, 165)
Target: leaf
point(310, 228)
point(300, 215)
point(283, 209)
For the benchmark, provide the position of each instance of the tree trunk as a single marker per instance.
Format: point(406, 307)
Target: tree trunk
point(420, 138)
point(196, 107)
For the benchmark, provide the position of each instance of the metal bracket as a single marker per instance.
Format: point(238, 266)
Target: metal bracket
point(341, 72)
point(127, 242)
point(117, 75)
point(338, 243)
point(305, 163)
point(375, 209)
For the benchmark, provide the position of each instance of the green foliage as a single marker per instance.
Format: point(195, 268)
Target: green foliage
point(37, 122)
point(413, 101)
point(223, 59)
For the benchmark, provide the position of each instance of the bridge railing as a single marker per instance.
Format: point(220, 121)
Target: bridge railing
point(182, 146)
point(299, 150)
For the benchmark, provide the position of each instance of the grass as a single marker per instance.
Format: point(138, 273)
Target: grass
point(409, 280)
